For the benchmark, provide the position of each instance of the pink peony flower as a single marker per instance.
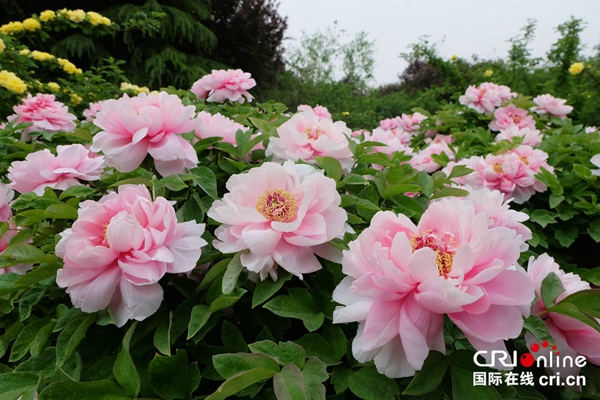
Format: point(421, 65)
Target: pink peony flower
point(511, 115)
point(531, 137)
point(92, 110)
point(6, 196)
point(590, 129)
point(71, 165)
point(120, 247)
point(572, 337)
point(305, 137)
point(320, 111)
point(403, 278)
point(548, 104)
point(486, 97)
point(512, 173)
point(280, 214)
point(45, 113)
point(218, 126)
point(146, 124)
point(223, 85)
point(423, 161)
point(4, 242)
point(393, 142)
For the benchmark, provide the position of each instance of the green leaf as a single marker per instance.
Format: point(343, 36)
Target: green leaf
point(226, 300)
point(8, 283)
point(594, 229)
point(289, 384)
point(232, 273)
point(71, 335)
point(171, 377)
point(124, 369)
point(427, 183)
point(77, 191)
point(555, 200)
point(232, 338)
point(97, 390)
point(399, 189)
point(339, 378)
point(15, 384)
point(26, 339)
point(171, 182)
point(449, 192)
point(538, 328)
point(314, 373)
point(369, 384)
point(551, 288)
point(228, 365)
point(566, 235)
point(23, 254)
point(284, 353)
point(459, 170)
point(200, 315)
point(214, 273)
point(267, 288)
point(43, 271)
point(192, 209)
point(162, 336)
point(571, 310)
point(316, 345)
point(355, 179)
point(29, 299)
point(337, 341)
point(332, 167)
point(543, 217)
point(585, 300)
point(241, 381)
point(301, 305)
point(61, 211)
point(463, 388)
point(430, 376)
point(206, 180)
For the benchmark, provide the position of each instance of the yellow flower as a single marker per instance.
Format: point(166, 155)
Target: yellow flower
point(41, 55)
point(24, 52)
point(576, 68)
point(126, 86)
point(453, 57)
point(105, 21)
point(488, 73)
point(75, 15)
point(94, 17)
point(47, 15)
point(137, 89)
point(2, 45)
point(32, 24)
point(345, 112)
point(75, 98)
point(12, 27)
point(68, 66)
point(53, 86)
point(12, 82)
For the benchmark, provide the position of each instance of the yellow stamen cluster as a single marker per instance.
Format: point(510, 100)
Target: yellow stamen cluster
point(314, 132)
point(498, 167)
point(277, 205)
point(12, 82)
point(442, 243)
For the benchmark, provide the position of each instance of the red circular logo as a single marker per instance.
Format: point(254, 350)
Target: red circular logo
point(527, 360)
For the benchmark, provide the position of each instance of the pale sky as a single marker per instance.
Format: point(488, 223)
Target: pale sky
point(461, 27)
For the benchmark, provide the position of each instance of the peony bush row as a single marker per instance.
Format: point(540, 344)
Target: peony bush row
point(196, 244)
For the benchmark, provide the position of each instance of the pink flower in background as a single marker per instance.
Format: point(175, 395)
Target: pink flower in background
point(146, 124)
point(423, 161)
point(511, 115)
point(4, 242)
point(590, 129)
point(486, 97)
point(548, 104)
point(218, 126)
point(223, 85)
point(92, 110)
point(531, 137)
point(305, 137)
point(6, 196)
point(402, 279)
point(282, 215)
point(320, 111)
point(412, 123)
point(45, 113)
point(120, 247)
point(71, 165)
point(390, 123)
point(393, 142)
point(596, 161)
point(572, 337)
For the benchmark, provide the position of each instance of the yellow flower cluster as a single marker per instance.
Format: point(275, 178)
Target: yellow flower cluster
point(12, 82)
point(488, 73)
point(137, 89)
point(41, 55)
point(75, 15)
point(2, 45)
point(32, 24)
point(68, 66)
point(576, 68)
point(47, 15)
point(12, 27)
point(453, 57)
point(55, 87)
point(98, 19)
point(75, 98)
